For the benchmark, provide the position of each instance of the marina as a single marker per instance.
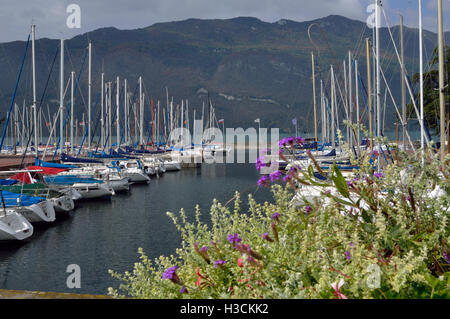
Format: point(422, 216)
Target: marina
point(92, 176)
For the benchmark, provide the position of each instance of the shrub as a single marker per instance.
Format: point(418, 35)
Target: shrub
point(372, 236)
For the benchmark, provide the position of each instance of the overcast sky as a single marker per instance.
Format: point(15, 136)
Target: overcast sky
point(50, 16)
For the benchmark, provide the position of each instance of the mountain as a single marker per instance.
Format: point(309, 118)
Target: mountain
point(251, 68)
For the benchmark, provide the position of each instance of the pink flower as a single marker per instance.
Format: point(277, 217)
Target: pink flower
point(337, 292)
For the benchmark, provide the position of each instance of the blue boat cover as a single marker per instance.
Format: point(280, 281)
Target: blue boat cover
point(38, 162)
point(69, 180)
point(13, 199)
point(67, 158)
point(7, 182)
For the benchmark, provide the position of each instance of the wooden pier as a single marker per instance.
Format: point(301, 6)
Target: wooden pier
point(25, 294)
point(8, 162)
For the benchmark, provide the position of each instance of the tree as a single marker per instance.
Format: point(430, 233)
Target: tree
point(431, 90)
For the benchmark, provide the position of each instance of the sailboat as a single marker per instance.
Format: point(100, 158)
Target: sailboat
point(13, 226)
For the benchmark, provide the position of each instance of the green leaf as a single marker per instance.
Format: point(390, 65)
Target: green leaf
point(340, 182)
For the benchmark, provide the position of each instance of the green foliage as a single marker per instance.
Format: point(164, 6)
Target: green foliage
point(431, 90)
point(383, 236)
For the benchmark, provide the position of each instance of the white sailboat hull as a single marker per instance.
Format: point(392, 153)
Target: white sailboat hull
point(90, 191)
point(119, 185)
point(37, 213)
point(13, 226)
point(62, 204)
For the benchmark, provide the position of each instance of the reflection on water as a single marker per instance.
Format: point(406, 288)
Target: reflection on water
point(102, 235)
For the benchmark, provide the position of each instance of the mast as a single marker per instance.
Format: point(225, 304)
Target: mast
point(110, 115)
point(125, 105)
point(322, 108)
point(357, 106)
point(117, 112)
point(422, 132)
point(369, 94)
point(402, 65)
point(72, 77)
point(441, 81)
point(314, 98)
point(89, 94)
point(333, 135)
point(33, 35)
point(350, 96)
point(102, 122)
point(141, 113)
point(61, 98)
point(346, 104)
point(377, 62)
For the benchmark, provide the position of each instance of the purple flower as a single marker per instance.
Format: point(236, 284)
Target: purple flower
point(266, 236)
point(290, 140)
point(275, 176)
point(263, 181)
point(276, 216)
point(260, 163)
point(234, 238)
point(219, 263)
point(348, 255)
point(184, 290)
point(446, 256)
point(171, 274)
point(308, 209)
point(282, 142)
point(378, 175)
point(203, 252)
point(287, 178)
point(299, 140)
point(351, 244)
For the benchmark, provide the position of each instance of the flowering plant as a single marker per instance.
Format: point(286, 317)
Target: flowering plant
point(371, 236)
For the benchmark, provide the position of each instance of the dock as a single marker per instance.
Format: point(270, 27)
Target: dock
point(25, 294)
point(8, 162)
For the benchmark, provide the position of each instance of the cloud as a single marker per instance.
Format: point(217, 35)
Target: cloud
point(50, 15)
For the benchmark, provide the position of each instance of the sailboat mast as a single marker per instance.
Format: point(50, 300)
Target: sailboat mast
point(333, 135)
point(89, 93)
point(102, 122)
point(117, 112)
point(314, 97)
point(377, 62)
point(61, 98)
point(422, 132)
point(33, 35)
point(402, 54)
point(350, 108)
point(441, 81)
point(369, 94)
point(125, 105)
point(72, 80)
point(141, 113)
point(357, 106)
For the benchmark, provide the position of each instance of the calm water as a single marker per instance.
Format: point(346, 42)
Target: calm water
point(102, 235)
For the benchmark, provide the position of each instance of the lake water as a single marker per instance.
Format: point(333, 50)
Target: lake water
point(102, 235)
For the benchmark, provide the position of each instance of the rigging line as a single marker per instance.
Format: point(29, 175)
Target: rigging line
point(14, 94)
point(87, 127)
point(323, 35)
point(39, 108)
point(44, 54)
point(427, 140)
point(68, 109)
